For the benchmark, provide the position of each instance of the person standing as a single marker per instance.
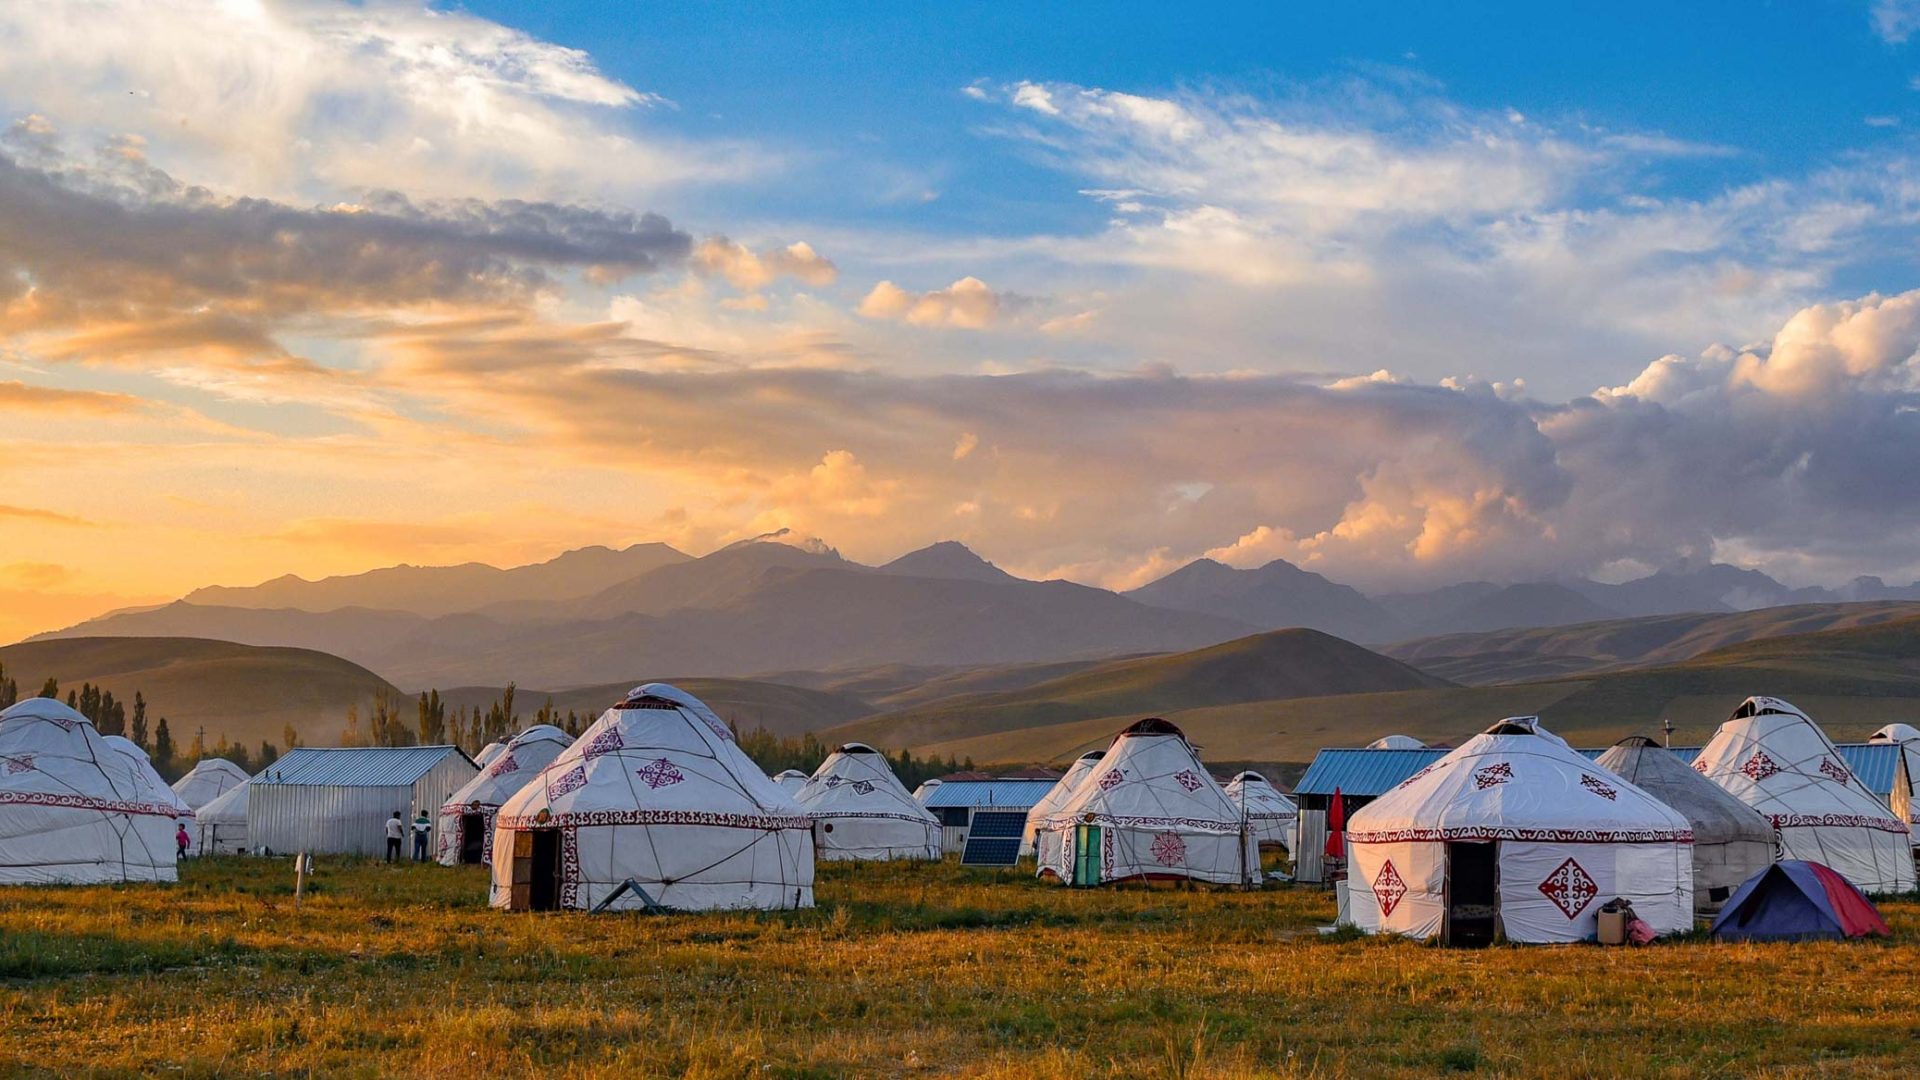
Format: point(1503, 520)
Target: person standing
point(395, 831)
point(421, 828)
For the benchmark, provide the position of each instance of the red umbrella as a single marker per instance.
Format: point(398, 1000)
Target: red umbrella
point(1337, 827)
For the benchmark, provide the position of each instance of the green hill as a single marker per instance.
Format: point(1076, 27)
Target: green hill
point(245, 692)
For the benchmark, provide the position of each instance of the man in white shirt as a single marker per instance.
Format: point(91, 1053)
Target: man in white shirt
point(395, 830)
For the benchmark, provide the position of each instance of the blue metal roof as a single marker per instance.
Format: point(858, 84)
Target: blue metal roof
point(358, 766)
point(1018, 794)
point(1367, 773)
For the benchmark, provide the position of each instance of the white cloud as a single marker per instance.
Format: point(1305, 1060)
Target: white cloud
point(967, 304)
point(1894, 20)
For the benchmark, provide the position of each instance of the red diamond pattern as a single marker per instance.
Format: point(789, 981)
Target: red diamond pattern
point(1187, 780)
point(1570, 888)
point(1169, 849)
point(1492, 775)
point(1388, 888)
point(1598, 787)
point(659, 774)
point(1111, 780)
point(1836, 773)
point(1759, 766)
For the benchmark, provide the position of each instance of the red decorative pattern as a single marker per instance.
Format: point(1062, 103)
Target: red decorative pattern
point(1168, 849)
point(1558, 836)
point(1598, 787)
point(18, 765)
point(570, 869)
point(1184, 824)
point(1111, 780)
point(1492, 775)
point(1837, 773)
point(1187, 780)
point(763, 822)
point(659, 774)
point(604, 743)
point(572, 781)
point(1700, 767)
point(85, 802)
point(1388, 888)
point(1759, 766)
point(1570, 888)
point(1409, 780)
point(1850, 821)
point(502, 767)
point(65, 724)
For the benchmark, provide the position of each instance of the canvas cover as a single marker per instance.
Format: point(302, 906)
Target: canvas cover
point(1569, 836)
point(1774, 758)
point(1731, 841)
point(221, 826)
point(1270, 814)
point(657, 791)
point(1396, 742)
point(862, 811)
point(208, 780)
point(1158, 812)
point(488, 753)
point(1056, 796)
point(149, 785)
point(1798, 900)
point(524, 756)
point(790, 780)
point(1905, 778)
point(75, 810)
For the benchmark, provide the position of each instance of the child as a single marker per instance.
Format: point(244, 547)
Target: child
point(182, 840)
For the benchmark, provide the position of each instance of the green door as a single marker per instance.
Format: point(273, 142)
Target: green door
point(1086, 854)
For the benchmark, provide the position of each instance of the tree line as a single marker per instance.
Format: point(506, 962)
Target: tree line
point(113, 716)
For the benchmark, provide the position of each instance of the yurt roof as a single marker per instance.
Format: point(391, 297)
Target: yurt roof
point(856, 781)
point(209, 779)
point(1717, 817)
point(1396, 742)
point(1263, 800)
point(52, 756)
point(1517, 781)
point(228, 808)
point(1150, 778)
point(525, 755)
point(1895, 733)
point(1774, 758)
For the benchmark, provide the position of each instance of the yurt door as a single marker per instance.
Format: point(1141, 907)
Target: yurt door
point(544, 891)
point(473, 838)
point(1086, 854)
point(1473, 894)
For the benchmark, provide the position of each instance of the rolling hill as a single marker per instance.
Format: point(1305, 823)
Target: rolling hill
point(747, 703)
point(1265, 667)
point(247, 693)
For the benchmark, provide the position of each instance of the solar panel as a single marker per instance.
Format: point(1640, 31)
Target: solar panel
point(994, 839)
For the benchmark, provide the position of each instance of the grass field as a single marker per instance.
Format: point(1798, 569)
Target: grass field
point(900, 971)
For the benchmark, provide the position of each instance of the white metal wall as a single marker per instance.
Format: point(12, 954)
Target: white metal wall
point(1310, 846)
point(326, 819)
point(432, 791)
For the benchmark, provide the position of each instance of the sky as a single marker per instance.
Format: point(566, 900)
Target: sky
point(1406, 295)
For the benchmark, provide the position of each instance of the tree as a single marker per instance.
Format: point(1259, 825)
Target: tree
point(139, 720)
point(197, 751)
point(268, 755)
point(351, 736)
point(50, 689)
point(388, 729)
point(433, 719)
point(289, 737)
point(162, 747)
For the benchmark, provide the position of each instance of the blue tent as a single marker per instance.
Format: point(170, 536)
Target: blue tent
point(1796, 900)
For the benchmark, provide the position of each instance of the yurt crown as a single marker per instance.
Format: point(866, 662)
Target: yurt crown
point(647, 701)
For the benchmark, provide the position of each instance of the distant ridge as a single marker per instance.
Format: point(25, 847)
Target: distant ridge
point(1274, 596)
point(947, 559)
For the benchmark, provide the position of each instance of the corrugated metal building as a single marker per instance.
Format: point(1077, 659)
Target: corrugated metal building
point(338, 800)
point(954, 802)
point(1362, 776)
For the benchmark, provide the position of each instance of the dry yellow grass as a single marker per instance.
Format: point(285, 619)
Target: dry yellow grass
point(914, 971)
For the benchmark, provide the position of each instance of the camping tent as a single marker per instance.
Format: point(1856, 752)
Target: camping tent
point(1731, 841)
point(75, 810)
point(1396, 742)
point(1270, 814)
point(488, 753)
point(208, 780)
point(657, 793)
point(1515, 832)
point(1796, 900)
point(1057, 797)
point(1775, 759)
point(1148, 809)
point(466, 819)
point(222, 823)
point(861, 810)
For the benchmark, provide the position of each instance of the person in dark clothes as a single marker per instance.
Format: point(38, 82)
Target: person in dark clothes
point(421, 829)
point(395, 830)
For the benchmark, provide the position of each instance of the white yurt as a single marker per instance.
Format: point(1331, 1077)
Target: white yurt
point(1148, 810)
point(655, 793)
point(1516, 835)
point(208, 780)
point(860, 810)
point(1396, 742)
point(488, 753)
point(1731, 840)
point(1057, 796)
point(73, 809)
point(925, 790)
point(792, 780)
point(1268, 813)
point(1906, 778)
point(150, 786)
point(221, 825)
point(466, 819)
point(1774, 758)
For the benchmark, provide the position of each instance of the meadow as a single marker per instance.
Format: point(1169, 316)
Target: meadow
point(900, 971)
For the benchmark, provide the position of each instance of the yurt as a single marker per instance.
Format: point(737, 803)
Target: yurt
point(654, 805)
point(488, 752)
point(466, 819)
point(208, 780)
point(860, 810)
point(1513, 834)
point(72, 809)
point(1906, 778)
point(1396, 742)
point(1270, 814)
point(926, 788)
point(1731, 841)
point(1774, 758)
point(221, 825)
point(149, 786)
point(1057, 796)
point(1147, 810)
point(792, 780)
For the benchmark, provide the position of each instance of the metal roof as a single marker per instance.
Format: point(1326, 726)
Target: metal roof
point(357, 766)
point(1366, 773)
point(1010, 792)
